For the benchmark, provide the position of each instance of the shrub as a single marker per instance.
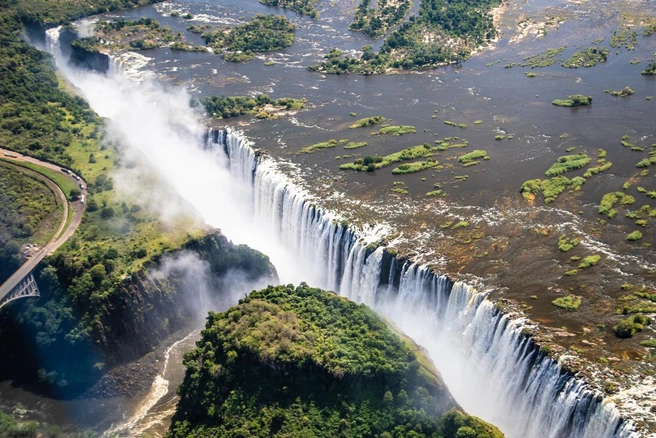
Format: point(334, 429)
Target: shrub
point(636, 235)
point(628, 327)
point(589, 261)
point(571, 302)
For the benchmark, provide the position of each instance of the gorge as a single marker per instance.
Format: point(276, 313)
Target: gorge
point(256, 190)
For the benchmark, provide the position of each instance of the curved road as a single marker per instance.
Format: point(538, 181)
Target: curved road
point(63, 232)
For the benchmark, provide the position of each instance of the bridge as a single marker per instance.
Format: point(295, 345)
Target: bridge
point(22, 283)
point(25, 288)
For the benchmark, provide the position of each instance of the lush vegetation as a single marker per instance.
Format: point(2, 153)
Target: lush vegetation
point(264, 33)
point(650, 70)
point(28, 214)
point(319, 146)
point(588, 57)
point(472, 158)
point(574, 100)
point(142, 34)
point(589, 261)
point(304, 362)
point(569, 302)
point(628, 327)
point(355, 144)
point(543, 59)
point(567, 163)
point(417, 166)
point(371, 163)
point(550, 188)
point(233, 106)
point(303, 7)
point(443, 32)
point(375, 21)
point(626, 91)
point(566, 244)
point(368, 121)
point(609, 200)
point(396, 130)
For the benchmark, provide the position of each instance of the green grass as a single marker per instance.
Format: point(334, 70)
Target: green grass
point(571, 302)
point(595, 170)
point(565, 244)
point(471, 158)
point(396, 130)
point(355, 145)
point(319, 146)
point(567, 163)
point(417, 166)
point(589, 261)
point(573, 100)
point(371, 163)
point(64, 183)
point(368, 121)
point(634, 235)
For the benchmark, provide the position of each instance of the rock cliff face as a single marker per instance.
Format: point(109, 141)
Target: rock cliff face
point(88, 58)
point(172, 293)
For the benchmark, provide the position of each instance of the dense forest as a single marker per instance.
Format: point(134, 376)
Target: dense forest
point(442, 32)
point(305, 362)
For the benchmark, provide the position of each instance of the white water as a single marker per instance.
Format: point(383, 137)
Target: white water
point(490, 367)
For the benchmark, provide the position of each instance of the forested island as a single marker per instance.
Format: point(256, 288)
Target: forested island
point(302, 361)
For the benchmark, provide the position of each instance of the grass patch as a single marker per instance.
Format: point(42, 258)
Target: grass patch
point(396, 130)
point(373, 162)
point(565, 244)
point(471, 158)
point(567, 163)
point(633, 236)
point(64, 183)
point(570, 302)
point(368, 121)
point(588, 57)
point(355, 145)
point(319, 146)
point(573, 100)
point(589, 261)
point(414, 167)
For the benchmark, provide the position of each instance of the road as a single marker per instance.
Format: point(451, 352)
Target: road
point(63, 232)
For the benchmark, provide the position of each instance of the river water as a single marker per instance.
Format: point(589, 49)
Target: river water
point(480, 89)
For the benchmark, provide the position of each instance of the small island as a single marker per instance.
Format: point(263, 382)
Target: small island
point(305, 362)
point(574, 100)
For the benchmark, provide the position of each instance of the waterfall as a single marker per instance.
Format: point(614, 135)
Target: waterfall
point(492, 368)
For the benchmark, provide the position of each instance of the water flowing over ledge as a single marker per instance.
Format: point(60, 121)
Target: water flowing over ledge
point(493, 369)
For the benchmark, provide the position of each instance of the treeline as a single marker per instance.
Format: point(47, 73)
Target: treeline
point(376, 21)
point(303, 7)
point(264, 33)
point(305, 362)
point(25, 203)
point(443, 32)
point(234, 106)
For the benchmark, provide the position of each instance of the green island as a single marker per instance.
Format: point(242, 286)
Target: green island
point(650, 70)
point(262, 106)
point(319, 146)
point(472, 158)
point(395, 130)
point(142, 34)
point(442, 32)
point(588, 57)
point(567, 163)
point(368, 121)
point(373, 162)
point(544, 59)
point(626, 91)
point(376, 21)
point(305, 362)
point(573, 100)
point(303, 7)
point(264, 33)
point(415, 167)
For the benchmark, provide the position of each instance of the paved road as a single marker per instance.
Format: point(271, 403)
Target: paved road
point(63, 232)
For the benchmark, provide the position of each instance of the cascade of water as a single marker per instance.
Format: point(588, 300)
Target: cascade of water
point(492, 369)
